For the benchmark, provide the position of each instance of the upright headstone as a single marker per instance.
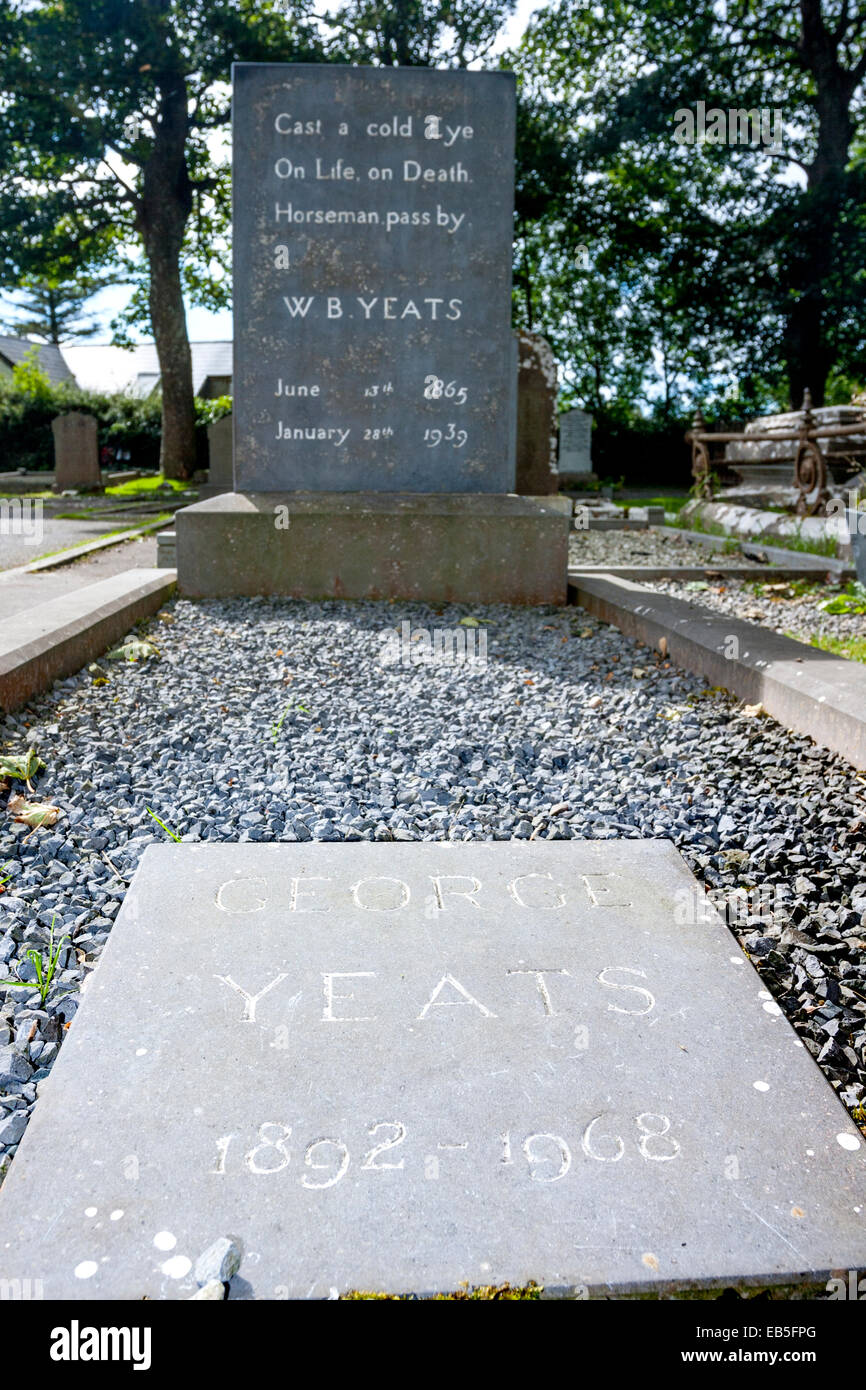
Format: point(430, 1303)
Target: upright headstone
point(406, 1067)
point(536, 416)
point(76, 452)
point(220, 473)
point(372, 273)
point(575, 444)
point(375, 369)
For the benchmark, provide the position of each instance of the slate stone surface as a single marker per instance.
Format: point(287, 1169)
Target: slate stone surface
point(372, 279)
point(398, 1067)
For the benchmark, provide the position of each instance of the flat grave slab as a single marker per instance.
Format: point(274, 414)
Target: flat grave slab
point(400, 1067)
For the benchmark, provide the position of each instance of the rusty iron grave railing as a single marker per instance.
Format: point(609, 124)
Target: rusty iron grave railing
point(810, 462)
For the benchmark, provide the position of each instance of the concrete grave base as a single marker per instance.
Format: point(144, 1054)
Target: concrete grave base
point(402, 1067)
point(440, 548)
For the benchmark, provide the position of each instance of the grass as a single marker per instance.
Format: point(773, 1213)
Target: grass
point(825, 547)
point(854, 648)
point(483, 1292)
point(170, 833)
point(45, 968)
point(670, 504)
point(155, 483)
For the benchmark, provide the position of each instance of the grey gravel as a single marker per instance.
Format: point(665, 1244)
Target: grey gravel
point(652, 547)
point(774, 605)
point(274, 720)
point(220, 1262)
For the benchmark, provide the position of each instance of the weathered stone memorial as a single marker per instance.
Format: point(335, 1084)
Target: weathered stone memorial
point(575, 444)
point(220, 473)
point(76, 452)
point(536, 416)
point(374, 359)
point(406, 1067)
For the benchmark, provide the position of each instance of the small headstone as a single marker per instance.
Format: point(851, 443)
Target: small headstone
point(220, 475)
point(372, 279)
point(575, 443)
point(536, 417)
point(76, 452)
point(405, 1067)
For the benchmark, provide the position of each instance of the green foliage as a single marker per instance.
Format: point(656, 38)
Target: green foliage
point(29, 378)
point(56, 307)
point(20, 767)
point(709, 266)
point(853, 600)
point(29, 402)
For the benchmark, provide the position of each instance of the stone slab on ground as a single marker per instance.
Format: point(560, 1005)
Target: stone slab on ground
point(42, 643)
point(462, 547)
point(802, 560)
point(805, 688)
point(400, 1067)
point(640, 574)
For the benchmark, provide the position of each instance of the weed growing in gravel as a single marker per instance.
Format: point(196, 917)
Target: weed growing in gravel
point(851, 600)
point(275, 728)
point(170, 833)
point(854, 648)
point(45, 969)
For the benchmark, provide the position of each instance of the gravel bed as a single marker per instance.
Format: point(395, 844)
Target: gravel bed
point(276, 720)
point(782, 611)
point(652, 547)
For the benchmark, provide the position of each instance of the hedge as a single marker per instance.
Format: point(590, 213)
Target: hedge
point(29, 403)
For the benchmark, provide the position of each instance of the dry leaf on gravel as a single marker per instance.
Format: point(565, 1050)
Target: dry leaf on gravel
point(32, 813)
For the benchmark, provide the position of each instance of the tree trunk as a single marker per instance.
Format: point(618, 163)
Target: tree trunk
point(808, 352)
point(527, 280)
point(52, 314)
point(166, 204)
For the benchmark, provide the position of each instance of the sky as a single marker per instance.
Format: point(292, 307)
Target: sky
point(204, 324)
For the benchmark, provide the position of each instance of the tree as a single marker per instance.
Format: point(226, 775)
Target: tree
point(108, 113)
point(420, 33)
point(780, 274)
point(56, 309)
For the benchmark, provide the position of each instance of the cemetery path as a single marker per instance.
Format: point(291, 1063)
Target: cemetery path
point(280, 720)
point(23, 591)
point(57, 534)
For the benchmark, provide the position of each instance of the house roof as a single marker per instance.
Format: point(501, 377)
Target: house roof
point(101, 367)
point(49, 357)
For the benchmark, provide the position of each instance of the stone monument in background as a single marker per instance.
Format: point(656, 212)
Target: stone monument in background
point(220, 472)
point(375, 368)
point(575, 445)
point(76, 452)
point(537, 472)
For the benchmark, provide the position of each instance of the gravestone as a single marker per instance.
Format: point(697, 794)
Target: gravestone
point(374, 359)
point(398, 1068)
point(575, 444)
point(220, 474)
point(765, 467)
point(372, 279)
point(76, 452)
point(536, 416)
